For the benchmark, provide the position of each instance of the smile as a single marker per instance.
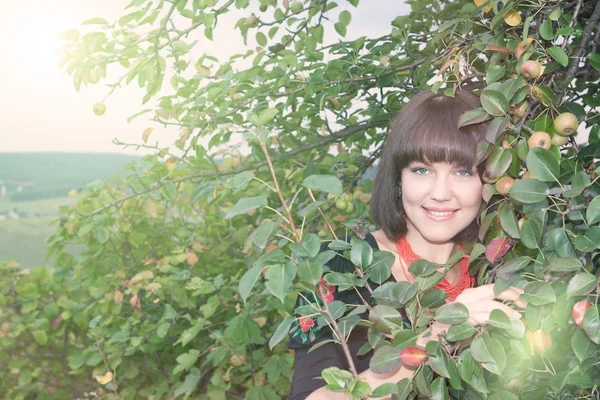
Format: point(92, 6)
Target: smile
point(439, 215)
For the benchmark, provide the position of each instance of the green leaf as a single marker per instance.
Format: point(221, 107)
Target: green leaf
point(499, 319)
point(340, 28)
point(503, 395)
point(403, 292)
point(579, 182)
point(95, 21)
point(511, 266)
point(581, 345)
point(345, 17)
point(559, 55)
point(261, 39)
point(163, 329)
point(422, 267)
point(306, 211)
point(380, 268)
point(580, 284)
point(386, 359)
point(263, 117)
point(279, 279)
point(531, 233)
point(474, 116)
point(546, 31)
point(480, 351)
point(510, 87)
point(239, 181)
point(324, 183)
point(494, 103)
point(361, 253)
point(508, 221)
point(102, 234)
point(592, 214)
point(247, 204)
point(186, 360)
point(494, 73)
point(529, 191)
point(466, 365)
point(591, 323)
point(594, 59)
point(543, 165)
point(281, 332)
point(452, 313)
point(309, 247)
point(190, 383)
point(496, 129)
point(263, 233)
point(386, 389)
point(590, 241)
point(310, 272)
point(40, 337)
point(248, 281)
point(498, 161)
point(432, 298)
point(565, 264)
point(386, 319)
point(262, 393)
point(439, 391)
point(539, 293)
point(404, 389)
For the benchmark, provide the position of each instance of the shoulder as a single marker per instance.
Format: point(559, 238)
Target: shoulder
point(383, 242)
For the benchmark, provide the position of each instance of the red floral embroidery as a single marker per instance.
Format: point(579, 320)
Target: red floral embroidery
point(328, 298)
point(306, 323)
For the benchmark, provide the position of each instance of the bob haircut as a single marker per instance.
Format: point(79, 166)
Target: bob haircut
point(425, 130)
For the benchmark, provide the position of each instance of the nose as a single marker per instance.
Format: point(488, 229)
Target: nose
point(441, 189)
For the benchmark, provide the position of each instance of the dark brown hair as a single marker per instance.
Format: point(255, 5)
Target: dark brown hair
point(425, 130)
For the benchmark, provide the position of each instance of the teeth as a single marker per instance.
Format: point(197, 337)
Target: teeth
point(440, 214)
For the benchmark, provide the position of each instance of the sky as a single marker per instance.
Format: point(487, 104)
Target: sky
point(40, 109)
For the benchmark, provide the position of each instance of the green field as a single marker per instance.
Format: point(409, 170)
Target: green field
point(24, 240)
point(44, 207)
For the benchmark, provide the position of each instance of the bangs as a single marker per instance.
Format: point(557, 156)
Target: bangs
point(435, 137)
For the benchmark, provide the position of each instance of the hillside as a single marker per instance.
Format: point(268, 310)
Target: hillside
point(31, 176)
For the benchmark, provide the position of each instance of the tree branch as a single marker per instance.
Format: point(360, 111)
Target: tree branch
point(338, 137)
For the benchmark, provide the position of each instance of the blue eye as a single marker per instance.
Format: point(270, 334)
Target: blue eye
point(466, 172)
point(417, 171)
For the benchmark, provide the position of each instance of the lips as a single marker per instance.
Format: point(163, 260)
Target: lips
point(439, 214)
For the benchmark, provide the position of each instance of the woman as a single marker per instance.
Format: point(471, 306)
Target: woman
point(426, 199)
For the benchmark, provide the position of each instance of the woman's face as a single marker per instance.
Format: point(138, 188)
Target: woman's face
point(440, 200)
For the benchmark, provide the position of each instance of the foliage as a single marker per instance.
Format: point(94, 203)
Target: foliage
point(190, 263)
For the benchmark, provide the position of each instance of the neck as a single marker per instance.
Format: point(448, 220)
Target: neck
point(435, 252)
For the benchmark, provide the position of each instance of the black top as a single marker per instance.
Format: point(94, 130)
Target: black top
point(305, 333)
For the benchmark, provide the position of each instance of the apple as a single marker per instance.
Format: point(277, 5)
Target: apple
point(531, 69)
point(558, 140)
point(538, 341)
point(296, 6)
point(99, 108)
point(519, 109)
point(252, 21)
point(504, 184)
point(341, 204)
point(413, 356)
point(565, 124)
point(527, 175)
point(539, 139)
point(487, 179)
point(578, 310)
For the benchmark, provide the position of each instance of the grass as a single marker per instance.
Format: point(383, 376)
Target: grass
point(24, 240)
point(43, 207)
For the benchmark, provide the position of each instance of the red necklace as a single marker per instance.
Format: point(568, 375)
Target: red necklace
point(466, 281)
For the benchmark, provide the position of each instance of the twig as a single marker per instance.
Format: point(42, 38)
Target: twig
point(338, 333)
point(263, 146)
point(287, 155)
